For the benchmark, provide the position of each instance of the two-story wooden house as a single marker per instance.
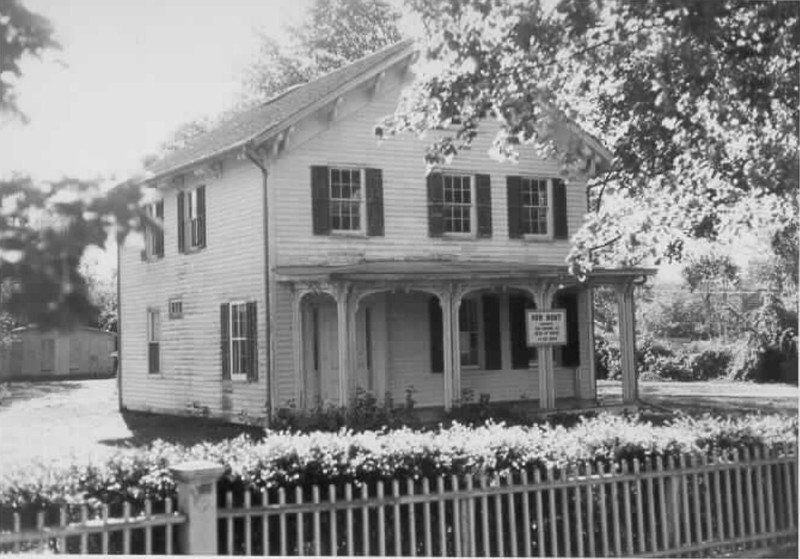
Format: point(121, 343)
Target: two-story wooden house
point(300, 258)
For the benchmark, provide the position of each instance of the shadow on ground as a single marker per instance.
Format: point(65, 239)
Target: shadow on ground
point(146, 428)
point(30, 390)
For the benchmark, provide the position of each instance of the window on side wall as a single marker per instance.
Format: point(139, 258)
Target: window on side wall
point(153, 230)
point(238, 324)
point(153, 341)
point(192, 219)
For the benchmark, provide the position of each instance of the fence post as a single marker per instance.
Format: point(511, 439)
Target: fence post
point(197, 498)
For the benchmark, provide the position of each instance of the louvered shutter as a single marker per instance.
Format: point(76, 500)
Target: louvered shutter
point(514, 199)
point(435, 205)
point(374, 180)
point(570, 353)
point(159, 245)
point(320, 200)
point(252, 341)
point(483, 199)
point(201, 216)
point(225, 339)
point(521, 354)
point(436, 336)
point(491, 332)
point(181, 222)
point(560, 226)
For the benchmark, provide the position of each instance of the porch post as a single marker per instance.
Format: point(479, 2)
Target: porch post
point(297, 347)
point(446, 302)
point(543, 296)
point(342, 295)
point(455, 307)
point(627, 341)
point(352, 343)
point(587, 381)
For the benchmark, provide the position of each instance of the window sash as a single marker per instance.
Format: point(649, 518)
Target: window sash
point(458, 203)
point(536, 206)
point(469, 332)
point(239, 349)
point(346, 192)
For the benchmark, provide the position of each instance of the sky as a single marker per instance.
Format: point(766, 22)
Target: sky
point(129, 73)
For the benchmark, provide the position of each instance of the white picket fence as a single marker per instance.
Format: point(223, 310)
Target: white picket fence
point(146, 533)
point(652, 507)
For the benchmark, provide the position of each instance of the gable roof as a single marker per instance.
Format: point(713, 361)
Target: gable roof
point(273, 114)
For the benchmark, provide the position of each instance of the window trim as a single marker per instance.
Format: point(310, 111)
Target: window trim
point(362, 203)
point(242, 376)
point(473, 210)
point(549, 236)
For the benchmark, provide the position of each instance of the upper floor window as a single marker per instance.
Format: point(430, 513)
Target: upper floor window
point(347, 200)
point(154, 230)
point(238, 322)
point(537, 208)
point(153, 341)
point(192, 219)
point(459, 205)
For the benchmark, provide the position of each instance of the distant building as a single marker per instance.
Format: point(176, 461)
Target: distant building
point(78, 353)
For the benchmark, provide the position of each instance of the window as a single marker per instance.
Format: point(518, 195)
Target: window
point(153, 230)
point(457, 191)
point(176, 308)
point(153, 338)
point(48, 351)
point(239, 334)
point(535, 206)
point(469, 332)
point(192, 219)
point(346, 200)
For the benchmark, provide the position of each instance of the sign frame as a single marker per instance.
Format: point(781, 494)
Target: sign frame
point(551, 331)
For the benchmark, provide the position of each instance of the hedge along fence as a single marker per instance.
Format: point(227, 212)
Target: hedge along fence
point(286, 462)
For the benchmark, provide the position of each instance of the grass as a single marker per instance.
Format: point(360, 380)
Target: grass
point(55, 420)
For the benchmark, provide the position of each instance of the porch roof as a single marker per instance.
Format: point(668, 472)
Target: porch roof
point(428, 270)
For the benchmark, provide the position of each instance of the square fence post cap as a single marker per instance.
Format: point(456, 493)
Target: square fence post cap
point(197, 471)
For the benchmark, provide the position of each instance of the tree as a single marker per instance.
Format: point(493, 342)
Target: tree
point(697, 102)
point(333, 33)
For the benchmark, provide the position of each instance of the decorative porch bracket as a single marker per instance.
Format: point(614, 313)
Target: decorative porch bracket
point(627, 337)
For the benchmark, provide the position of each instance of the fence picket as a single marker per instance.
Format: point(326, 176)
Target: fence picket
point(637, 471)
point(662, 503)
point(248, 529)
point(229, 525)
point(396, 515)
point(770, 492)
point(442, 531)
point(616, 524)
point(626, 508)
point(168, 507)
point(707, 513)
point(566, 532)
point(348, 496)
point(148, 530)
point(601, 470)
point(651, 506)
point(526, 513)
point(729, 502)
point(551, 501)
point(265, 517)
point(790, 492)
point(282, 521)
point(498, 518)
point(84, 535)
point(334, 521)
point(748, 484)
point(537, 482)
point(485, 519)
point(299, 524)
point(739, 493)
point(426, 517)
point(687, 518)
point(62, 522)
point(381, 521)
point(43, 542)
point(457, 527)
point(126, 533)
point(590, 504)
point(365, 519)
point(17, 519)
point(717, 474)
point(762, 521)
point(412, 518)
point(512, 518)
point(468, 517)
point(317, 521)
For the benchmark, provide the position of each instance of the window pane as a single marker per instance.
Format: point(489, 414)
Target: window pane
point(534, 206)
point(345, 202)
point(457, 204)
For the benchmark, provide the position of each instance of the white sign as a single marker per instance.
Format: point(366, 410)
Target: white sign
point(546, 327)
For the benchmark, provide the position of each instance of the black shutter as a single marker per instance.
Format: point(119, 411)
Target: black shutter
point(252, 341)
point(320, 200)
point(181, 222)
point(570, 353)
point(483, 198)
point(374, 180)
point(514, 199)
point(560, 226)
point(436, 336)
point(225, 339)
point(491, 332)
point(435, 205)
point(201, 216)
point(520, 352)
point(160, 232)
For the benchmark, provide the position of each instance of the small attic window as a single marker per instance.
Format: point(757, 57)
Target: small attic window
point(176, 308)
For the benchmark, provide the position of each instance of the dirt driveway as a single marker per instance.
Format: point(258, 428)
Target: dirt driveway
point(56, 420)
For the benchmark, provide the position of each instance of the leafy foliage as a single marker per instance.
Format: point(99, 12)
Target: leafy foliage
point(697, 102)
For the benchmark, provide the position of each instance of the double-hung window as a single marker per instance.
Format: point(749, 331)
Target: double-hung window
point(346, 200)
point(536, 206)
point(458, 204)
point(192, 219)
point(469, 329)
point(153, 341)
point(154, 230)
point(239, 335)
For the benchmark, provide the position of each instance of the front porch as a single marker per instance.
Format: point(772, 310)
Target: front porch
point(443, 329)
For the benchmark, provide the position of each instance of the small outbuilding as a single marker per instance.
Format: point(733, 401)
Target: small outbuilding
point(34, 353)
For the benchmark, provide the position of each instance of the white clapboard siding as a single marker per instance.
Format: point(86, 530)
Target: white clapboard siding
point(351, 141)
point(231, 267)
